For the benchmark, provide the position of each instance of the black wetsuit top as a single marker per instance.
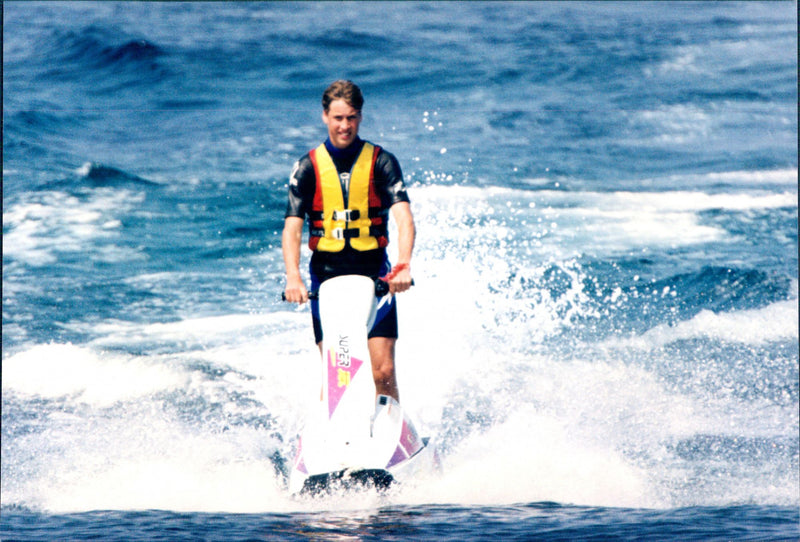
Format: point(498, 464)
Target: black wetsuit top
point(389, 186)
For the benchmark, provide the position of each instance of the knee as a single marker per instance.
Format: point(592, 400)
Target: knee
point(383, 370)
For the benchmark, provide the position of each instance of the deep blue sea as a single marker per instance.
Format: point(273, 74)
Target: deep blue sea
point(603, 337)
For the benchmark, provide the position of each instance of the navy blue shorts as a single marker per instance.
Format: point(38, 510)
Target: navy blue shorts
point(385, 324)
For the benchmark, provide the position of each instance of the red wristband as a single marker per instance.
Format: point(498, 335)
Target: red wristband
point(395, 270)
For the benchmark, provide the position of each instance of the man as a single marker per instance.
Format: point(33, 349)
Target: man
point(347, 187)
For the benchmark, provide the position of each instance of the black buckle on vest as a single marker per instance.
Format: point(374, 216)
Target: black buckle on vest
point(342, 233)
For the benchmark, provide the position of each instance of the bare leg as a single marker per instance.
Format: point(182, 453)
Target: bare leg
point(381, 352)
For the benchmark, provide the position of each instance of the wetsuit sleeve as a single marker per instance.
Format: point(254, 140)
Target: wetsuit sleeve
point(389, 179)
point(302, 183)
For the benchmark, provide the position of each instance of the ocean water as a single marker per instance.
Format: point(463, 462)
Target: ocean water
point(603, 337)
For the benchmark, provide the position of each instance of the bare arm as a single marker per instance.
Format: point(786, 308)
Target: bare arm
point(291, 240)
point(406, 234)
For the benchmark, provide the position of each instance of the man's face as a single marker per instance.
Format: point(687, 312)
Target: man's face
point(342, 121)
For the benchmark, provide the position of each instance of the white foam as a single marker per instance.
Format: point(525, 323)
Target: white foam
point(559, 432)
point(684, 61)
point(678, 124)
point(85, 169)
point(119, 444)
point(694, 201)
point(141, 459)
point(437, 325)
point(460, 197)
point(193, 478)
point(778, 177)
point(775, 322)
point(483, 222)
point(58, 370)
point(45, 224)
point(206, 329)
point(533, 458)
point(559, 429)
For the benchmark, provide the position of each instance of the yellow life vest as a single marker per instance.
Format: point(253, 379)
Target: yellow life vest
point(361, 220)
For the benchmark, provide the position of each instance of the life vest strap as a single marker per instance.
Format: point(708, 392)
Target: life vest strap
point(348, 215)
point(348, 233)
point(345, 233)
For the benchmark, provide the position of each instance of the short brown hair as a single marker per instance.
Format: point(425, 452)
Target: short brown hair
point(343, 90)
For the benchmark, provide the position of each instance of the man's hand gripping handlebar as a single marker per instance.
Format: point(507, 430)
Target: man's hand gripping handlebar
point(383, 286)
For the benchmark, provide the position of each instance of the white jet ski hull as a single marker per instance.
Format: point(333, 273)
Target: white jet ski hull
point(351, 438)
